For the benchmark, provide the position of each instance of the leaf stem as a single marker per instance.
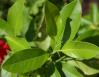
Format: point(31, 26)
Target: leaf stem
point(60, 59)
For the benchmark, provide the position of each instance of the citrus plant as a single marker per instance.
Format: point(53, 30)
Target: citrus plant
point(50, 47)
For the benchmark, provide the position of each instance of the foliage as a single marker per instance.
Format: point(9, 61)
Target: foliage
point(47, 41)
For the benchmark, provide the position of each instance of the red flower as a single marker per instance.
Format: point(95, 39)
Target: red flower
point(3, 50)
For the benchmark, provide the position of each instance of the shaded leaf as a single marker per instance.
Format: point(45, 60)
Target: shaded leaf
point(87, 34)
point(92, 39)
point(4, 26)
point(49, 19)
point(35, 5)
point(26, 60)
point(67, 31)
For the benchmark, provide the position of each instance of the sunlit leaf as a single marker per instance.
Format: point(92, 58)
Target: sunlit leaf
point(56, 73)
point(80, 50)
point(17, 44)
point(70, 71)
point(16, 16)
point(83, 67)
point(94, 13)
point(72, 11)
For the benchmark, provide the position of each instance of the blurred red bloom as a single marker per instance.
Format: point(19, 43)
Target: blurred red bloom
point(4, 48)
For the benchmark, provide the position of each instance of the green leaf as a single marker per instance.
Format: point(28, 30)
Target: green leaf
point(70, 71)
point(13, 75)
point(26, 22)
point(44, 44)
point(94, 13)
point(35, 6)
point(67, 31)
point(26, 60)
point(52, 8)
point(72, 11)
point(16, 16)
point(8, 74)
point(86, 34)
point(56, 42)
point(56, 73)
point(86, 22)
point(50, 19)
point(85, 68)
point(17, 44)
point(5, 73)
point(5, 27)
point(80, 50)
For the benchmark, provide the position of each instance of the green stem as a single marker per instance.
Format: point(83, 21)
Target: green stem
point(60, 59)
